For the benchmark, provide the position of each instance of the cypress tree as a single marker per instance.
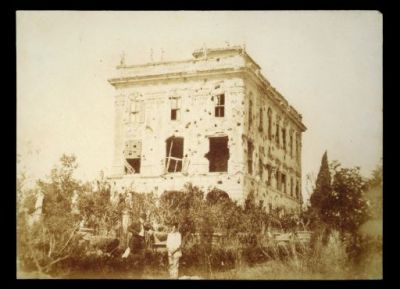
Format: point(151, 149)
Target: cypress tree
point(323, 188)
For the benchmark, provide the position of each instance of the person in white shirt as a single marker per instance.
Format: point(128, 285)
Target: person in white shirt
point(174, 242)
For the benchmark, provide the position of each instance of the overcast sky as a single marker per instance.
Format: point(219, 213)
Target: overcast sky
point(328, 65)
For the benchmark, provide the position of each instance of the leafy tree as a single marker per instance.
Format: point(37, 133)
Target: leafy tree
point(349, 208)
point(48, 241)
point(183, 207)
point(216, 196)
point(377, 177)
point(374, 192)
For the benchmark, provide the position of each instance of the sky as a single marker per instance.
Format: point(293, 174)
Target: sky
point(327, 64)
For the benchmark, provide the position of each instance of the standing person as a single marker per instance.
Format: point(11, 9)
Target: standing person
point(137, 229)
point(126, 221)
point(174, 242)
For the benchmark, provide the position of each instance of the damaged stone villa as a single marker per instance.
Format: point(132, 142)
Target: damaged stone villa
point(213, 121)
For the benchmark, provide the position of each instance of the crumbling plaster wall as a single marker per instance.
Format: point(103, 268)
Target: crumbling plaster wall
point(196, 124)
point(269, 152)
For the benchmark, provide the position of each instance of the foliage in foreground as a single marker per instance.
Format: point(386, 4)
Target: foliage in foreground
point(52, 246)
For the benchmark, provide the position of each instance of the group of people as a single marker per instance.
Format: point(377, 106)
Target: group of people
point(137, 243)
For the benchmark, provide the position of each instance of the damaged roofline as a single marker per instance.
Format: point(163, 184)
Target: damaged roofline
point(198, 56)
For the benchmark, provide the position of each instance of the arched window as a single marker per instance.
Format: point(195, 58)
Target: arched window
point(269, 123)
point(250, 112)
point(250, 149)
point(291, 187)
point(277, 133)
point(291, 144)
point(297, 146)
point(298, 190)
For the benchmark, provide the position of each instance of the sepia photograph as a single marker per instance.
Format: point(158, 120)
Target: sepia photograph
point(199, 145)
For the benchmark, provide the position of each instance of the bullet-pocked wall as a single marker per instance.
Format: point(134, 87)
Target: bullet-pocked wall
point(213, 121)
point(187, 109)
point(272, 142)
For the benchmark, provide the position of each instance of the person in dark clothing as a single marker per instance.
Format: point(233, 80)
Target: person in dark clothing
point(137, 229)
point(137, 244)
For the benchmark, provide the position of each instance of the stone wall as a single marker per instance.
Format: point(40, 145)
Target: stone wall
point(192, 86)
point(196, 124)
point(268, 156)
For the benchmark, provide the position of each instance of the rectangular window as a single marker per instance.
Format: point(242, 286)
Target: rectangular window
point(260, 126)
point(218, 154)
point(132, 154)
point(136, 108)
point(174, 154)
point(135, 111)
point(250, 150)
point(220, 106)
point(175, 108)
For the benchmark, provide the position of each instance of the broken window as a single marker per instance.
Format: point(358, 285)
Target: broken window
point(260, 126)
point(284, 139)
point(250, 149)
point(174, 154)
point(132, 155)
point(218, 154)
point(220, 105)
point(269, 123)
point(175, 108)
point(135, 110)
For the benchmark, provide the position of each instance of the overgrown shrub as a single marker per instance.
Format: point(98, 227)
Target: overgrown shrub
point(218, 233)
